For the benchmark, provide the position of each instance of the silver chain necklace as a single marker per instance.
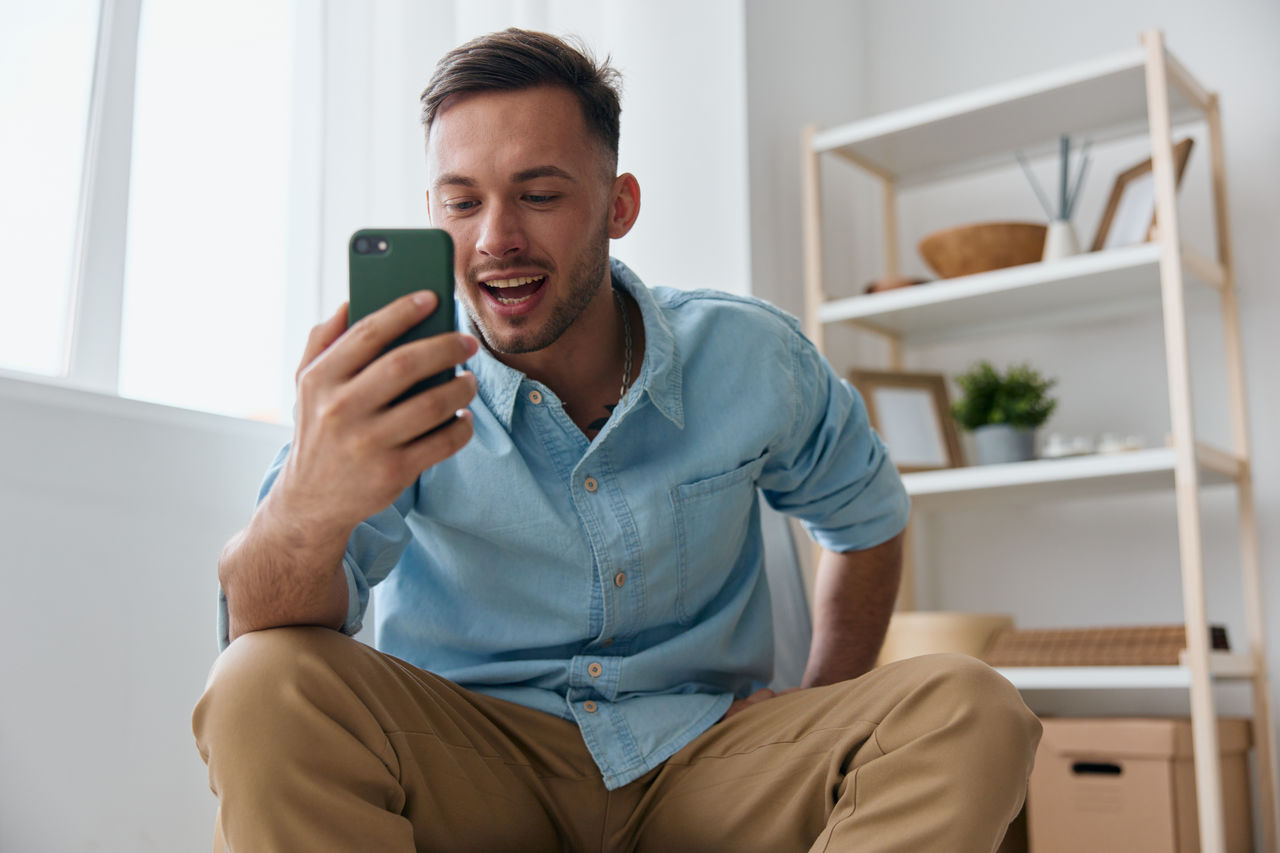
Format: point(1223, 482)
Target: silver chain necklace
point(626, 330)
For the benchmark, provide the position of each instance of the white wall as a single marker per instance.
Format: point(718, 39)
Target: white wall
point(1112, 561)
point(806, 65)
point(112, 514)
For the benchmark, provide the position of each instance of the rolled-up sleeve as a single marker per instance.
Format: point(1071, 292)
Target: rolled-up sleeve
point(373, 550)
point(831, 470)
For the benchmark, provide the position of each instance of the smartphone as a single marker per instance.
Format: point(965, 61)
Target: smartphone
point(387, 263)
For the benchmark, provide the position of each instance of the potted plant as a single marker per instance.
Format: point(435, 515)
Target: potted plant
point(1003, 411)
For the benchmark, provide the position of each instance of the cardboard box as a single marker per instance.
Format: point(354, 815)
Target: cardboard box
point(1128, 785)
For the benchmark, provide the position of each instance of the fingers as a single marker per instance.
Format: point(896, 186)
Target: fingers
point(366, 339)
point(437, 446)
point(395, 372)
point(322, 335)
point(410, 419)
point(759, 696)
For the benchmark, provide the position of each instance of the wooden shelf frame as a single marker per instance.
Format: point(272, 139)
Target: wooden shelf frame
point(1143, 91)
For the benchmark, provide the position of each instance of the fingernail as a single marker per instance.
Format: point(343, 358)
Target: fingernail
point(473, 346)
point(424, 298)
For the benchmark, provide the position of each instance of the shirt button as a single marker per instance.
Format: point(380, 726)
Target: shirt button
point(595, 669)
point(535, 397)
point(619, 579)
point(589, 706)
point(590, 484)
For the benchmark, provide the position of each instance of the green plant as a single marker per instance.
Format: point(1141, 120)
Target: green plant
point(1019, 398)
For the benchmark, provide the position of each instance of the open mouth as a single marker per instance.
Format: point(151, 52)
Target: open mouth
point(513, 291)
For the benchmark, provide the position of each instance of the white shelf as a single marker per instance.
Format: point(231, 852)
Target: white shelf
point(1062, 479)
point(1102, 99)
point(1223, 665)
point(1082, 288)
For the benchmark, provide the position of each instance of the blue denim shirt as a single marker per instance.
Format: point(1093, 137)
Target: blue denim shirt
point(618, 582)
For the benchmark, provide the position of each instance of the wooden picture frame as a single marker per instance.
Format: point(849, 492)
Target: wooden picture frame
point(1130, 214)
point(912, 414)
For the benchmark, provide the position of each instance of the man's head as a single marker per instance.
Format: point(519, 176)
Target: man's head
point(517, 59)
point(522, 135)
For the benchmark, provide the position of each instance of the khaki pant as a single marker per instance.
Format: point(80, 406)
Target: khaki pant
point(316, 742)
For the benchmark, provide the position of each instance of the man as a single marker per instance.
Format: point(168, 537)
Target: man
point(574, 624)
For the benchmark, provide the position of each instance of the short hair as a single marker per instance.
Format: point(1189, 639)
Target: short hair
point(520, 59)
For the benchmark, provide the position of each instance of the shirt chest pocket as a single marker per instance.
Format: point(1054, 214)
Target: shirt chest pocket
point(713, 518)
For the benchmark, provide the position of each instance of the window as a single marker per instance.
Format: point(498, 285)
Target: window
point(204, 284)
point(46, 75)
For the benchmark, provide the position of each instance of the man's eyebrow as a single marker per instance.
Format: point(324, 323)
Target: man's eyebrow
point(454, 179)
point(540, 172)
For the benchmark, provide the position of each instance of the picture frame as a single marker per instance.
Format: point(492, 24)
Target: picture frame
point(912, 414)
point(1130, 214)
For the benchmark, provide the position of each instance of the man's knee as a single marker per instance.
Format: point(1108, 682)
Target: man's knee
point(969, 696)
point(253, 680)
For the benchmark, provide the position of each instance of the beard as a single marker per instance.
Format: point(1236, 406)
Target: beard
point(589, 270)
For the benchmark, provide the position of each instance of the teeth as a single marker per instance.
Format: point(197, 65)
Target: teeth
point(513, 282)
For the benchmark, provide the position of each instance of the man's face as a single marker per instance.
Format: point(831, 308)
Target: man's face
point(523, 189)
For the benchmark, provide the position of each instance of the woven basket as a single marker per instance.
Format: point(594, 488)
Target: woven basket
point(986, 246)
point(1130, 645)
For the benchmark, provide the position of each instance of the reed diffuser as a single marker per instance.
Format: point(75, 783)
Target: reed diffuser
point(1060, 240)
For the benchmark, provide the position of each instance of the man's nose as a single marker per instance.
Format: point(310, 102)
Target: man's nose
point(502, 234)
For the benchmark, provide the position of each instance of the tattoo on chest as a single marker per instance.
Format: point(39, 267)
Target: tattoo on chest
point(598, 423)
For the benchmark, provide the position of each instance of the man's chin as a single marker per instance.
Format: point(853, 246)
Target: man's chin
point(501, 338)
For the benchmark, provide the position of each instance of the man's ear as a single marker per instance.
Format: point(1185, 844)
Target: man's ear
point(624, 205)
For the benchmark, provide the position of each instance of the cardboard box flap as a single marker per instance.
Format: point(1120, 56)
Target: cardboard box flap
point(1137, 737)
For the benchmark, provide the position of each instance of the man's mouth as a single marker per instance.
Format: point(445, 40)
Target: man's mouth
point(513, 291)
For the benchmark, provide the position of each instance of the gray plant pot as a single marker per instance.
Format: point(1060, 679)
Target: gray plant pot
point(1000, 443)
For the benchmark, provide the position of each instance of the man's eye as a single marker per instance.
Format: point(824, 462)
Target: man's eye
point(539, 198)
point(460, 206)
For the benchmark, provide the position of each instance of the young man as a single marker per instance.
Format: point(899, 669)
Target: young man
point(574, 624)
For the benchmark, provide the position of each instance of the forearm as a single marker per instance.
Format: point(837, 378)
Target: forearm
point(275, 573)
point(854, 597)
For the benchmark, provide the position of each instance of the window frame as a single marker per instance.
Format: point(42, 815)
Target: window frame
point(90, 359)
point(92, 338)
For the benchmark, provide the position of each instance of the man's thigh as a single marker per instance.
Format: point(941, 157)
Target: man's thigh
point(766, 778)
point(294, 718)
point(888, 761)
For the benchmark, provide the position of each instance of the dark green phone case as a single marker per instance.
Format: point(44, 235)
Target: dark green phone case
point(414, 259)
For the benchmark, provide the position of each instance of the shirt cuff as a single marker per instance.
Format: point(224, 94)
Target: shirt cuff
point(885, 492)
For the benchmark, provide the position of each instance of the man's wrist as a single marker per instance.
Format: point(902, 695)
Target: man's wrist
point(286, 522)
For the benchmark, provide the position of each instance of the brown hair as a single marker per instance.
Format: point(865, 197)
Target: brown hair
point(519, 59)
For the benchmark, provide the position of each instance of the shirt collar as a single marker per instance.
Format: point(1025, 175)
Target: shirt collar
point(661, 375)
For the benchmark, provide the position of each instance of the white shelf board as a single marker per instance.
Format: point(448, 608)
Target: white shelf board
point(1223, 665)
point(1082, 288)
point(1060, 479)
point(1101, 99)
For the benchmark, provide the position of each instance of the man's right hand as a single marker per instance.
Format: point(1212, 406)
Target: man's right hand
point(352, 455)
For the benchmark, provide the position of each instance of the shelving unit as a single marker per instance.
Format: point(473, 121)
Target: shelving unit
point(1143, 91)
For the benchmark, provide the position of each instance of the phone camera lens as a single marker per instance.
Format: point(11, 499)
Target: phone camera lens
point(362, 245)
